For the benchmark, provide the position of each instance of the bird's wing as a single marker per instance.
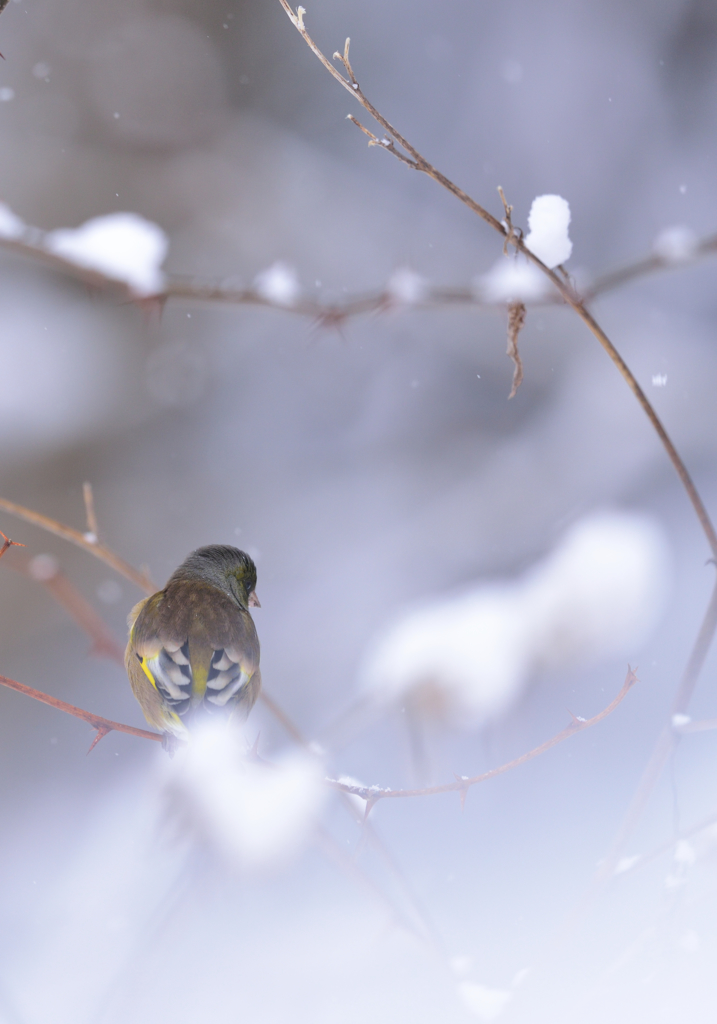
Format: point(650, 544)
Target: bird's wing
point(229, 671)
point(167, 668)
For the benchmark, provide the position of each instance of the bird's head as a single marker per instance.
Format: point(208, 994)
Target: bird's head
point(227, 568)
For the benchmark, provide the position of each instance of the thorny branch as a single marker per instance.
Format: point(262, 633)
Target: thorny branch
point(371, 794)
point(86, 541)
point(102, 725)
point(330, 313)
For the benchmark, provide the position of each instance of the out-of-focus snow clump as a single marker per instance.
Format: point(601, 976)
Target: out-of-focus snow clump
point(467, 658)
point(255, 814)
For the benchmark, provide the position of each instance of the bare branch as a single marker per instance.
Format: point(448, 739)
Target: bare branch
point(703, 725)
point(650, 265)
point(666, 741)
point(80, 539)
point(372, 794)
point(329, 313)
point(102, 725)
point(93, 532)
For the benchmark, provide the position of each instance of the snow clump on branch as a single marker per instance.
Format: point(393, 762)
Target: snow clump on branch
point(677, 244)
point(10, 224)
point(123, 246)
point(278, 283)
point(548, 238)
point(512, 280)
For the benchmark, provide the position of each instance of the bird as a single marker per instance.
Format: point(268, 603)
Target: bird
point(193, 648)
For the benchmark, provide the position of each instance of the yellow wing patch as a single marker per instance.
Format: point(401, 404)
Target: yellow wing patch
point(147, 671)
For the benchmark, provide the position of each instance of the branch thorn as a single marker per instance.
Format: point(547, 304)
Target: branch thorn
point(465, 785)
point(102, 731)
point(371, 801)
point(9, 544)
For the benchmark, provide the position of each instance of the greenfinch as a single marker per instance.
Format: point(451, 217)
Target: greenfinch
point(193, 647)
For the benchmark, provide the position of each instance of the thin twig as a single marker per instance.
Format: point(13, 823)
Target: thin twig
point(75, 537)
point(666, 742)
point(646, 858)
point(93, 532)
point(371, 794)
point(702, 725)
point(102, 725)
point(649, 265)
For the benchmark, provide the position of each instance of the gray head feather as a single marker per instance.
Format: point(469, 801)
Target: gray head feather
point(227, 568)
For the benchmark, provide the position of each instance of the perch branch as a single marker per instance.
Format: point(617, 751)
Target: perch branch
point(102, 725)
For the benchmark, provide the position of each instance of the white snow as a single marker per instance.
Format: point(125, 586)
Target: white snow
point(677, 244)
point(406, 286)
point(548, 237)
point(678, 720)
point(484, 1003)
point(256, 814)
point(467, 657)
point(7, 93)
point(278, 283)
point(689, 941)
point(10, 224)
point(659, 380)
point(124, 246)
point(512, 280)
point(685, 853)
point(626, 863)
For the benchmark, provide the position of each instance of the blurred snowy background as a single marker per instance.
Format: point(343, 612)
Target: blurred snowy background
point(371, 473)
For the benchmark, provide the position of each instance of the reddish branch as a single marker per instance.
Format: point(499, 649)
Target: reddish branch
point(86, 541)
point(102, 725)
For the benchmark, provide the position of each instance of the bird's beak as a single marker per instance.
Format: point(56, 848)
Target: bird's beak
point(254, 601)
